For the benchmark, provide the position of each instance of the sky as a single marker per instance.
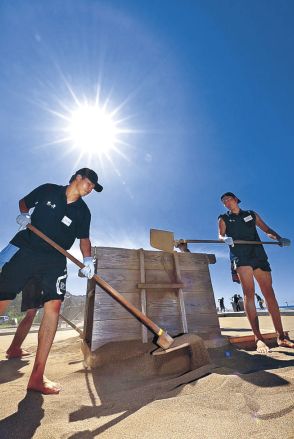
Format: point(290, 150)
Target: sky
point(202, 95)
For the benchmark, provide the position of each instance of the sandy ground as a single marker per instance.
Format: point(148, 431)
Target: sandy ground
point(245, 395)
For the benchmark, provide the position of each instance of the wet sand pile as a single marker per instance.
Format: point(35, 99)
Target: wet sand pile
point(239, 394)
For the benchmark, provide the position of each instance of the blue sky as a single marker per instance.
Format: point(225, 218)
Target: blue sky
point(204, 91)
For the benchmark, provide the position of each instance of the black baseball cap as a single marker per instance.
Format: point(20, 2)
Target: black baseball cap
point(229, 194)
point(91, 175)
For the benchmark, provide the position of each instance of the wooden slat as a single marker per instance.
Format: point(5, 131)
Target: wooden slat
point(124, 281)
point(143, 294)
point(251, 338)
point(191, 261)
point(164, 275)
point(111, 330)
point(126, 258)
point(193, 281)
point(200, 301)
point(117, 258)
point(163, 303)
point(203, 320)
point(180, 295)
point(106, 308)
point(160, 286)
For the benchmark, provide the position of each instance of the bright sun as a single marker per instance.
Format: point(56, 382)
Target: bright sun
point(92, 130)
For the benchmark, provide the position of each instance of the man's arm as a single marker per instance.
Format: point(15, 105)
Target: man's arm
point(221, 229)
point(222, 233)
point(270, 232)
point(266, 229)
point(85, 246)
point(22, 206)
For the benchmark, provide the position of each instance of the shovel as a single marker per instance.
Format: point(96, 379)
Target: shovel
point(163, 340)
point(165, 241)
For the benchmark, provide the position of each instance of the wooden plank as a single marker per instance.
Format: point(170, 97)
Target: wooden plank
point(190, 261)
point(112, 258)
point(123, 280)
point(115, 330)
point(163, 303)
point(205, 320)
point(160, 286)
point(108, 257)
point(103, 298)
point(180, 295)
point(193, 281)
point(143, 294)
point(89, 312)
point(251, 338)
point(106, 308)
point(200, 301)
point(163, 275)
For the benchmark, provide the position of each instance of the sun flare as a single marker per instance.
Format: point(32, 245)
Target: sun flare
point(92, 130)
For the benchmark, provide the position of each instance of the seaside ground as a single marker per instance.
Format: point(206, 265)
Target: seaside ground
point(245, 395)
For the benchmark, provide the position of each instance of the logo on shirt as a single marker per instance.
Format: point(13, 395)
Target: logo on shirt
point(51, 205)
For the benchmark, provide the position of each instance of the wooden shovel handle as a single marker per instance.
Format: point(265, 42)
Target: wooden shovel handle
point(219, 241)
point(104, 285)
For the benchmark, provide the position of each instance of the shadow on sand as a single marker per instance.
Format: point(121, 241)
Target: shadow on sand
point(10, 369)
point(25, 421)
point(119, 392)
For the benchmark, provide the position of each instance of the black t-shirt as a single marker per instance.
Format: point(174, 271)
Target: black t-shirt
point(242, 226)
point(60, 221)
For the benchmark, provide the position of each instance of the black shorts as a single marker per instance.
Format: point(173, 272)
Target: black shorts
point(32, 295)
point(50, 270)
point(255, 263)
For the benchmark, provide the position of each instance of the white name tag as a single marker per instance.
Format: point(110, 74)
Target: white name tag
point(248, 218)
point(67, 221)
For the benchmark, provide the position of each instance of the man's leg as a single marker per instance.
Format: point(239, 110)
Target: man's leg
point(46, 336)
point(264, 280)
point(15, 350)
point(247, 283)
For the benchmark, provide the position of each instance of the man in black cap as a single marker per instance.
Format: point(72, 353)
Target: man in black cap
point(62, 215)
point(251, 262)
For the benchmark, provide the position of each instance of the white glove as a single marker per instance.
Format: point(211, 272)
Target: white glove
point(284, 242)
point(89, 269)
point(229, 241)
point(23, 219)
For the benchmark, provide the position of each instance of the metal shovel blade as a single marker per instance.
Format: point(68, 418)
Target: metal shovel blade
point(162, 240)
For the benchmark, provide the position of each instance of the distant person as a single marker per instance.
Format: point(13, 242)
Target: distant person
point(63, 216)
point(222, 304)
point(236, 300)
point(260, 301)
point(251, 262)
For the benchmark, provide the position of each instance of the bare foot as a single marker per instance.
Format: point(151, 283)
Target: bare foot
point(16, 353)
point(46, 386)
point(262, 348)
point(285, 343)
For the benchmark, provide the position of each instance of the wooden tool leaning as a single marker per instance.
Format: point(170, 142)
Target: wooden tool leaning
point(163, 340)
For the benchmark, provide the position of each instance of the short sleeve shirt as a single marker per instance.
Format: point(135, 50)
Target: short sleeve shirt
point(242, 226)
point(60, 221)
